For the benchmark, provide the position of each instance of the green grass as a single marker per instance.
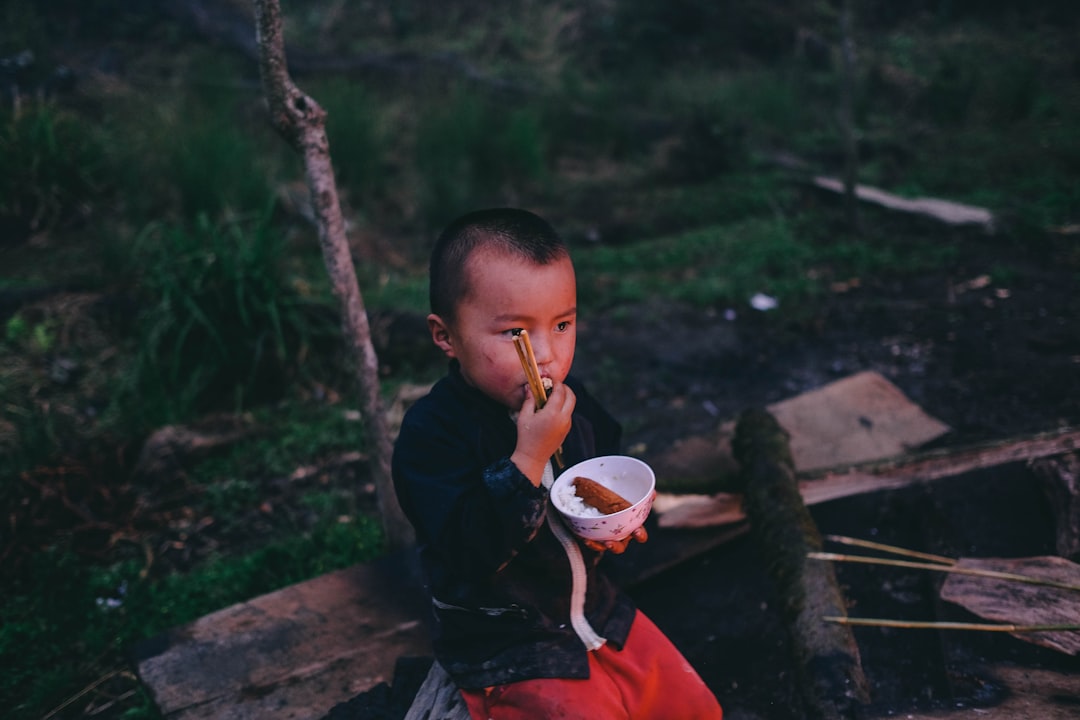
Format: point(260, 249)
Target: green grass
point(202, 148)
point(291, 434)
point(470, 152)
point(714, 267)
point(65, 623)
point(51, 165)
point(354, 127)
point(221, 326)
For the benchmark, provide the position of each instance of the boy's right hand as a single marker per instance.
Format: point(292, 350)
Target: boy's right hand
point(541, 432)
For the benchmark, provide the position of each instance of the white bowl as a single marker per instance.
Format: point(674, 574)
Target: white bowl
point(628, 476)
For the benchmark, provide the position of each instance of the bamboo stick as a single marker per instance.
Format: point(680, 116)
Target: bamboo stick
point(1014, 577)
point(844, 540)
point(944, 625)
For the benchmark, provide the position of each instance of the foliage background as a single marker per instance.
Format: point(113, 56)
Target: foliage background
point(158, 266)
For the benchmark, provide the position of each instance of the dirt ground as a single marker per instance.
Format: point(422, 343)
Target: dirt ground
point(992, 361)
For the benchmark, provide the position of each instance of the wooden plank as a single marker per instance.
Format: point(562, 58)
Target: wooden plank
point(946, 211)
point(291, 654)
point(1019, 603)
point(856, 419)
point(697, 511)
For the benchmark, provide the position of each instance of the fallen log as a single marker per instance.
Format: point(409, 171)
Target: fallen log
point(831, 678)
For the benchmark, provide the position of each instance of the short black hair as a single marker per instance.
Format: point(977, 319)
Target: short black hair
point(512, 230)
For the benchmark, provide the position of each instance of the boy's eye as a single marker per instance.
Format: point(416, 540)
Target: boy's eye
point(514, 332)
point(563, 326)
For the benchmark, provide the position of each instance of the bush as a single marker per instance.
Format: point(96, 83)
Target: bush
point(221, 327)
point(352, 126)
point(51, 167)
point(470, 152)
point(207, 149)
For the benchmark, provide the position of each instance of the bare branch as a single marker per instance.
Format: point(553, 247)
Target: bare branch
point(302, 122)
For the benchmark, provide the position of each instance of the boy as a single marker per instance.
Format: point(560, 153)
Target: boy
point(527, 626)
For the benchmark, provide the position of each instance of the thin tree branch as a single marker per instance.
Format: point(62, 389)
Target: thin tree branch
point(302, 122)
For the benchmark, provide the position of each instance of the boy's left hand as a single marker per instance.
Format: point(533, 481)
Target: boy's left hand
point(618, 546)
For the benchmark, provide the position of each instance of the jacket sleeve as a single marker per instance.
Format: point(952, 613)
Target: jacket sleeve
point(475, 517)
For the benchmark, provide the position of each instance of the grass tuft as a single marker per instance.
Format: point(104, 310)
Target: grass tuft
point(221, 328)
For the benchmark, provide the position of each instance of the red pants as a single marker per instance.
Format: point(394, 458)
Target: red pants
point(648, 679)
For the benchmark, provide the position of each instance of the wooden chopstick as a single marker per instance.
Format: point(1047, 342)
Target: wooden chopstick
point(532, 372)
point(532, 376)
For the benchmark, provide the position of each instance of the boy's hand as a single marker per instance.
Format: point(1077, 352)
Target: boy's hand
point(541, 432)
point(618, 546)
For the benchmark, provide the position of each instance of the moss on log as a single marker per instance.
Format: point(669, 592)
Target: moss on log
point(831, 677)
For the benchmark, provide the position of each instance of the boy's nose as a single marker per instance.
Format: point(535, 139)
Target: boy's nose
point(542, 348)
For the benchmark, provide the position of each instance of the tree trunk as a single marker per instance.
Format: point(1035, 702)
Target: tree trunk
point(847, 114)
point(302, 122)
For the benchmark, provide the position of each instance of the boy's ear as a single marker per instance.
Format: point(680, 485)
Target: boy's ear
point(440, 334)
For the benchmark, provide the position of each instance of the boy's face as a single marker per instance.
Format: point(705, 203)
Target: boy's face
point(505, 294)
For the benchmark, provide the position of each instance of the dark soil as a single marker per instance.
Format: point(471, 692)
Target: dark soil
point(722, 611)
point(991, 361)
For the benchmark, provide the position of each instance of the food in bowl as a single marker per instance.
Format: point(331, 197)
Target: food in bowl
point(598, 496)
point(612, 482)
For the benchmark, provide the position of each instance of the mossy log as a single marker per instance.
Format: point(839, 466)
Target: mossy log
point(830, 672)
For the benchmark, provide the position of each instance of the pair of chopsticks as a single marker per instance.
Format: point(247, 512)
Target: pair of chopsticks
point(532, 375)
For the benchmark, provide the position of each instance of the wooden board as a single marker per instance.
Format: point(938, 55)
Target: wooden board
point(856, 419)
point(292, 654)
point(859, 418)
point(698, 510)
point(1019, 603)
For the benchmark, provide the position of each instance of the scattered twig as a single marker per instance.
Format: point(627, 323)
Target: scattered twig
point(942, 625)
point(88, 689)
point(119, 699)
point(838, 557)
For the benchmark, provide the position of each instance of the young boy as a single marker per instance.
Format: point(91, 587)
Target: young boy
point(527, 626)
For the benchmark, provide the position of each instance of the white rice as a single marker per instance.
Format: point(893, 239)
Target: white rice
point(568, 501)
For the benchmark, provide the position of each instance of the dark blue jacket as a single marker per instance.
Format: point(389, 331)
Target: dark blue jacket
point(499, 579)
